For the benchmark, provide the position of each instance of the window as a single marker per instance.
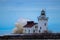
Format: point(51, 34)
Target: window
point(39, 31)
point(36, 26)
point(45, 24)
point(25, 30)
point(43, 13)
point(29, 31)
point(33, 31)
point(40, 27)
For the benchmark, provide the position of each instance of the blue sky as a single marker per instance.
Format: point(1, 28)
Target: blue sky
point(11, 10)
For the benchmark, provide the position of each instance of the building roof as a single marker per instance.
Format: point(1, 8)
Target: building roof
point(30, 24)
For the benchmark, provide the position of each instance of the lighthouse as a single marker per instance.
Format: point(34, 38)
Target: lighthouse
point(42, 22)
point(40, 27)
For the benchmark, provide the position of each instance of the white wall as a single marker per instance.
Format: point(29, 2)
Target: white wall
point(26, 30)
point(36, 29)
point(41, 24)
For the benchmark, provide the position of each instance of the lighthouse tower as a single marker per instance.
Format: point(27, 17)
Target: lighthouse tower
point(42, 22)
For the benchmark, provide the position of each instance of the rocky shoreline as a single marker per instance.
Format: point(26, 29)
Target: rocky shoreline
point(33, 36)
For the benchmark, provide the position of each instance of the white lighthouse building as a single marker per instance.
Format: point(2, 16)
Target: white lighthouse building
point(39, 27)
point(42, 22)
